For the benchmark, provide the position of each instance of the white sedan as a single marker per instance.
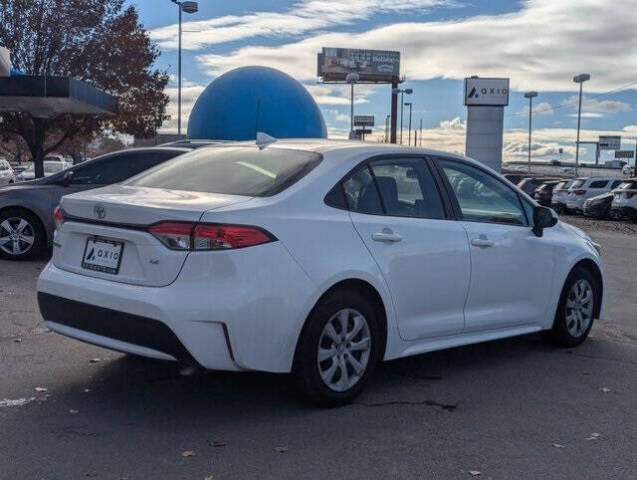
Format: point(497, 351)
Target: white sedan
point(320, 258)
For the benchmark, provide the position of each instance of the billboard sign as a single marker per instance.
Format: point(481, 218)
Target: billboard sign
point(5, 62)
point(486, 91)
point(372, 66)
point(363, 120)
point(610, 142)
point(624, 153)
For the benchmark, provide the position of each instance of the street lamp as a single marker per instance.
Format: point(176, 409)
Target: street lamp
point(188, 7)
point(402, 91)
point(408, 104)
point(387, 128)
point(530, 96)
point(581, 78)
point(351, 78)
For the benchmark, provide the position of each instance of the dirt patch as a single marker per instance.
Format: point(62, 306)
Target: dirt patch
point(591, 224)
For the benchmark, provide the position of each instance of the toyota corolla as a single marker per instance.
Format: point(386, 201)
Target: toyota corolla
point(319, 258)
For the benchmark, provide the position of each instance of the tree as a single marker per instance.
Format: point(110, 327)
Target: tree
point(98, 41)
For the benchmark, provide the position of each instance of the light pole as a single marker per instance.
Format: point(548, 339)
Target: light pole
point(188, 7)
point(420, 136)
point(581, 78)
point(351, 78)
point(530, 96)
point(387, 128)
point(402, 91)
point(408, 104)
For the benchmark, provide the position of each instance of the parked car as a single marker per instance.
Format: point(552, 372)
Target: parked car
point(628, 170)
point(599, 206)
point(26, 209)
point(316, 257)
point(625, 200)
point(559, 195)
point(584, 188)
point(7, 175)
point(56, 157)
point(21, 167)
point(529, 184)
point(50, 168)
point(544, 193)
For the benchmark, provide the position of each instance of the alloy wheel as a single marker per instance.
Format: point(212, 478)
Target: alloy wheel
point(579, 307)
point(17, 236)
point(344, 349)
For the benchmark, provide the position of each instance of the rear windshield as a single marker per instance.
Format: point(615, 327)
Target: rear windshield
point(231, 170)
point(578, 183)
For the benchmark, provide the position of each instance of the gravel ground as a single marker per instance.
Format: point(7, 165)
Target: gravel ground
point(589, 224)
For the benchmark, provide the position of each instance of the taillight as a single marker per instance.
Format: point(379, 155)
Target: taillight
point(579, 192)
point(58, 216)
point(208, 236)
point(175, 235)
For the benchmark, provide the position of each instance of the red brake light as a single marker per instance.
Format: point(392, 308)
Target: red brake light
point(220, 237)
point(175, 235)
point(579, 192)
point(206, 236)
point(58, 216)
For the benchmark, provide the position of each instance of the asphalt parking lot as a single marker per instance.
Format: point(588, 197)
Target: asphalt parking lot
point(509, 409)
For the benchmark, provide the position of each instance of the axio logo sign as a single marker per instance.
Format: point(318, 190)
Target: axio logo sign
point(486, 91)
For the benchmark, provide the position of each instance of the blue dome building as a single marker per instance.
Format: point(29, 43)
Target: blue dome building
point(247, 100)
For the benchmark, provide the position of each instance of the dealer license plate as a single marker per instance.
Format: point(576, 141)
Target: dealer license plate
point(102, 255)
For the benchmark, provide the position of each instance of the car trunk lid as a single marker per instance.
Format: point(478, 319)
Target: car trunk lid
point(105, 232)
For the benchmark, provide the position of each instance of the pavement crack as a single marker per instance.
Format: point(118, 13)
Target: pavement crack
point(449, 407)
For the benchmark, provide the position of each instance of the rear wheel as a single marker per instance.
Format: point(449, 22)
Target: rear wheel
point(21, 235)
point(576, 310)
point(337, 350)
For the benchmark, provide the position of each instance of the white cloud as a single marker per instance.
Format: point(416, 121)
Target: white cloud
point(453, 124)
point(304, 16)
point(593, 108)
point(539, 47)
point(542, 108)
point(189, 94)
point(339, 94)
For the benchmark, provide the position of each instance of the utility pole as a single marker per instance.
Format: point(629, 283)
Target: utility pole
point(581, 78)
point(530, 96)
point(408, 104)
point(421, 132)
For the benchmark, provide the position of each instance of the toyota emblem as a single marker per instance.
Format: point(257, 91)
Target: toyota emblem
point(99, 211)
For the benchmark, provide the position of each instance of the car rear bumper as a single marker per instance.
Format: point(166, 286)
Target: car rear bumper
point(221, 311)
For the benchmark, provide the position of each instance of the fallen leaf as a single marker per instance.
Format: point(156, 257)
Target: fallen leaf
point(188, 453)
point(94, 360)
point(558, 445)
point(216, 443)
point(593, 436)
point(73, 411)
point(281, 449)
point(475, 473)
point(41, 389)
point(605, 390)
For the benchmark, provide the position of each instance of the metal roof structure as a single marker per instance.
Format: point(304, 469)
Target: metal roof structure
point(50, 96)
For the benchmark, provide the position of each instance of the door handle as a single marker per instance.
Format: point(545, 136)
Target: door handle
point(387, 235)
point(482, 241)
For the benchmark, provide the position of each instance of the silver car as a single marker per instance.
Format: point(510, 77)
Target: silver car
point(7, 175)
point(26, 209)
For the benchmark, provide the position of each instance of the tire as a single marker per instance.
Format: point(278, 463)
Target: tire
point(27, 227)
point(565, 331)
point(308, 373)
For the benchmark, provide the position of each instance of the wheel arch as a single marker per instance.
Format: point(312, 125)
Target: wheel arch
point(592, 267)
point(369, 291)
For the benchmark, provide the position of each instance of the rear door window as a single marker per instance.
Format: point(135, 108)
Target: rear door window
point(361, 193)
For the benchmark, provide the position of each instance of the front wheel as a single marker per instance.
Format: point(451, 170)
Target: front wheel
point(576, 309)
point(21, 235)
point(338, 349)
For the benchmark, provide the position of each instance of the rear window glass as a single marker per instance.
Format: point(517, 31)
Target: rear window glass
point(628, 185)
point(578, 183)
point(231, 170)
point(599, 184)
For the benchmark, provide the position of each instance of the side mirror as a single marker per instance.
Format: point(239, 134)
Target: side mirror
point(543, 217)
point(67, 178)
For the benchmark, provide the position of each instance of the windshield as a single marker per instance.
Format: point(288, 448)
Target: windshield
point(578, 183)
point(231, 170)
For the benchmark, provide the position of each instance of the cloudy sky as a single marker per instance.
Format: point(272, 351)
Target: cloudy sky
point(539, 44)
